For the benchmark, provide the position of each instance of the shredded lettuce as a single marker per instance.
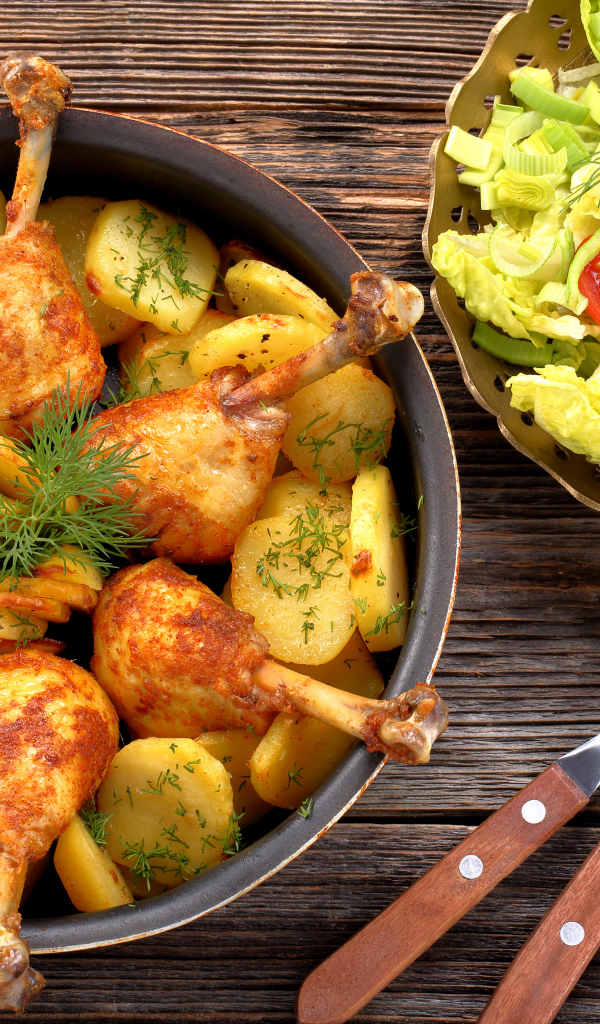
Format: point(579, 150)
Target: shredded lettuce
point(564, 404)
point(588, 8)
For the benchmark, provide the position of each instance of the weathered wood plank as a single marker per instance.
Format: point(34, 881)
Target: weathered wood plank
point(197, 55)
point(245, 962)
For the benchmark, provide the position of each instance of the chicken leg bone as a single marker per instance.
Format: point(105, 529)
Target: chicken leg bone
point(405, 727)
point(19, 983)
point(38, 91)
point(380, 311)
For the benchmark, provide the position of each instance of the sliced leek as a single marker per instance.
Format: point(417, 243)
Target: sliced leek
point(468, 149)
point(506, 259)
point(530, 163)
point(521, 353)
point(525, 88)
point(564, 135)
point(555, 292)
point(502, 115)
point(530, 192)
point(586, 252)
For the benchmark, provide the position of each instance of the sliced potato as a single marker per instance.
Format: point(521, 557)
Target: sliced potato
point(379, 573)
point(298, 753)
point(265, 339)
point(153, 361)
point(289, 495)
point(257, 287)
point(234, 748)
point(13, 480)
point(353, 670)
point(230, 254)
point(151, 265)
point(170, 808)
point(72, 218)
point(76, 595)
point(88, 874)
point(20, 624)
point(337, 420)
point(75, 567)
point(298, 592)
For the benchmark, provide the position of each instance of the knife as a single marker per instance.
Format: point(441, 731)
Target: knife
point(361, 968)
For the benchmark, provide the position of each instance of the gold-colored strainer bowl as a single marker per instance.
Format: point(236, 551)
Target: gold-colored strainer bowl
point(548, 34)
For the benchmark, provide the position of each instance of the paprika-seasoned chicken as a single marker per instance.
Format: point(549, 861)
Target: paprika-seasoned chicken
point(45, 335)
point(58, 735)
point(209, 450)
point(176, 661)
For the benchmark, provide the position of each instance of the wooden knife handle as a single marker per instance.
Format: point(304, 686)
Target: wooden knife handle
point(349, 979)
point(555, 955)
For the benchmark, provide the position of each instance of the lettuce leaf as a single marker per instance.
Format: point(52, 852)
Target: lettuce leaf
point(476, 284)
point(563, 404)
point(584, 216)
point(590, 7)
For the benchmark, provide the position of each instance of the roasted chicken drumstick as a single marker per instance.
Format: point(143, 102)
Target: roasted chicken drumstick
point(210, 449)
point(176, 661)
point(45, 334)
point(58, 735)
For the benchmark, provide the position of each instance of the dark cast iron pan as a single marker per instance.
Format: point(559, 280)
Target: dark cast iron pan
point(121, 158)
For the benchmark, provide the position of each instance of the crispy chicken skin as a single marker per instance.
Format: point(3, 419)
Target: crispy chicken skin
point(174, 660)
point(44, 330)
point(204, 473)
point(58, 735)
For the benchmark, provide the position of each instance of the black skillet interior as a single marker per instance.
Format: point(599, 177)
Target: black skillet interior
point(120, 158)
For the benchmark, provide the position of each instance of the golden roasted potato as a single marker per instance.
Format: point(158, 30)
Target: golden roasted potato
point(339, 424)
point(256, 287)
point(153, 361)
point(170, 812)
point(88, 874)
point(234, 748)
point(151, 265)
point(13, 480)
point(265, 339)
point(72, 218)
point(289, 495)
point(379, 573)
point(19, 624)
point(230, 254)
point(293, 578)
point(74, 567)
point(298, 753)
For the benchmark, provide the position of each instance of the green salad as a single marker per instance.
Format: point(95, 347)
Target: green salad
point(531, 277)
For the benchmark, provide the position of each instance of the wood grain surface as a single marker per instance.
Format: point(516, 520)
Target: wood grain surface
point(341, 101)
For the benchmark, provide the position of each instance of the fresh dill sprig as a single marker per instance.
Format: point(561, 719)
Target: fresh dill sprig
point(384, 622)
point(67, 460)
point(305, 807)
point(95, 822)
point(577, 193)
point(29, 630)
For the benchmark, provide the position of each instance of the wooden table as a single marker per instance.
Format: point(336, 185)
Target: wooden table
point(341, 100)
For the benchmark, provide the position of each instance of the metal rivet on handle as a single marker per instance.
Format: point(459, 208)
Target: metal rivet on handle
point(572, 933)
point(470, 867)
point(533, 812)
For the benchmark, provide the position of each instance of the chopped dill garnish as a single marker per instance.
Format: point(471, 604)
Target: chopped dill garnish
point(295, 776)
point(367, 446)
point(305, 807)
point(95, 823)
point(65, 461)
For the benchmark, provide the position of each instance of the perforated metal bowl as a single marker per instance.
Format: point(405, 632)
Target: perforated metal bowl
point(548, 34)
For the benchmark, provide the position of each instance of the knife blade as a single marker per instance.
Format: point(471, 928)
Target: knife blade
point(385, 947)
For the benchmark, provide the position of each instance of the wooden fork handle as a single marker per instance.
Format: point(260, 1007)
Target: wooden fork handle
point(555, 955)
point(349, 979)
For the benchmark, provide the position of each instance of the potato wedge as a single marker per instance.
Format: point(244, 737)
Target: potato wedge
point(13, 480)
point(257, 287)
point(153, 361)
point(170, 808)
point(288, 495)
point(298, 753)
point(338, 421)
point(297, 589)
point(151, 265)
point(234, 748)
point(88, 874)
point(379, 572)
point(72, 218)
point(230, 254)
point(265, 339)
